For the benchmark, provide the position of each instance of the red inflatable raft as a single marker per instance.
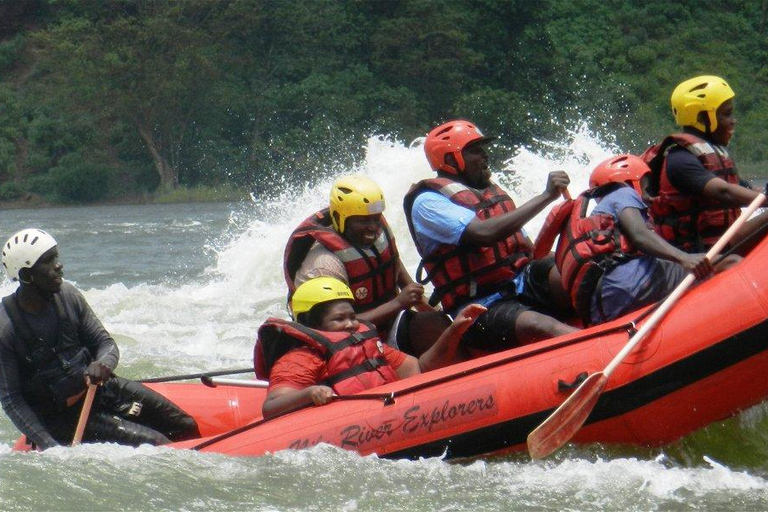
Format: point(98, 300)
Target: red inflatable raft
point(217, 408)
point(704, 362)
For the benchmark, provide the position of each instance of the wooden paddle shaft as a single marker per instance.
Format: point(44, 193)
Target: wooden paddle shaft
point(87, 403)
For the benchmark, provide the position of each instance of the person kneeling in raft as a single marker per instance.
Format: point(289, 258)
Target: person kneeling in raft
point(309, 360)
point(52, 347)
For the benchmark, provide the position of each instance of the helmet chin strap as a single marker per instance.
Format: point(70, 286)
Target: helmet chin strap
point(707, 122)
point(456, 161)
point(460, 164)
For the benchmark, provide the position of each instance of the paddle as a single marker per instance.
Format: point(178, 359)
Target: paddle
point(191, 376)
point(84, 413)
point(212, 382)
point(567, 419)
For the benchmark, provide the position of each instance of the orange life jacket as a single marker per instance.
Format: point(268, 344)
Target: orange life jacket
point(589, 246)
point(372, 271)
point(692, 223)
point(460, 273)
point(355, 362)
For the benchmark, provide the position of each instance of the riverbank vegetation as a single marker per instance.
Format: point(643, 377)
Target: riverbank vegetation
point(102, 99)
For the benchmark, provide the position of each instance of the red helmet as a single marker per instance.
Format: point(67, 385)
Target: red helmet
point(628, 169)
point(451, 138)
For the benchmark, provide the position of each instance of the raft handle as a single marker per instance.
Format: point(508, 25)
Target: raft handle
point(386, 398)
point(563, 386)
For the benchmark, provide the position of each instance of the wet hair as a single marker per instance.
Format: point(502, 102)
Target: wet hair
point(314, 317)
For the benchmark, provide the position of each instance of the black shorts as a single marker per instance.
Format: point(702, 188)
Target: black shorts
point(536, 292)
point(494, 330)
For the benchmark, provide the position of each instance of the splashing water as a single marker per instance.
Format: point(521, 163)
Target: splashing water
point(254, 259)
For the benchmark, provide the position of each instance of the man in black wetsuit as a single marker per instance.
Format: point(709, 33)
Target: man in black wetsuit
point(52, 345)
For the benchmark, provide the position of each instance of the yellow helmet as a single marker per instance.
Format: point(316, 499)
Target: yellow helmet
point(316, 291)
point(354, 195)
point(703, 93)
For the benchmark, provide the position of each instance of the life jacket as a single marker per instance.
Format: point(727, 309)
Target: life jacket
point(50, 374)
point(460, 273)
point(692, 223)
point(372, 271)
point(553, 224)
point(589, 246)
point(354, 362)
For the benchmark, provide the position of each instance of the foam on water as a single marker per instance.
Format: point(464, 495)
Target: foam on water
point(328, 478)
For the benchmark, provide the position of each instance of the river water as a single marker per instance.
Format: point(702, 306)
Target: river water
point(183, 289)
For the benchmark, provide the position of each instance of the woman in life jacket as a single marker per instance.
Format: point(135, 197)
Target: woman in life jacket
point(610, 259)
point(327, 351)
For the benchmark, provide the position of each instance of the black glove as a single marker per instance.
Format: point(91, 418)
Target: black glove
point(97, 372)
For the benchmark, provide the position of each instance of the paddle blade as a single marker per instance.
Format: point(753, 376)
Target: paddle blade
point(567, 419)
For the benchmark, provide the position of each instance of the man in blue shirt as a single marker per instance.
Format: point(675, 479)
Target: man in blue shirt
point(470, 236)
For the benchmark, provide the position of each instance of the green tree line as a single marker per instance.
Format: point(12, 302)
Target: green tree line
point(104, 98)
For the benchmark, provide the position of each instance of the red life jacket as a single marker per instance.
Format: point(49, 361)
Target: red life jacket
point(588, 247)
point(372, 271)
point(355, 362)
point(692, 223)
point(461, 273)
point(551, 228)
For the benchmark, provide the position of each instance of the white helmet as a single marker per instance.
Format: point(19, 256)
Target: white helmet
point(23, 250)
